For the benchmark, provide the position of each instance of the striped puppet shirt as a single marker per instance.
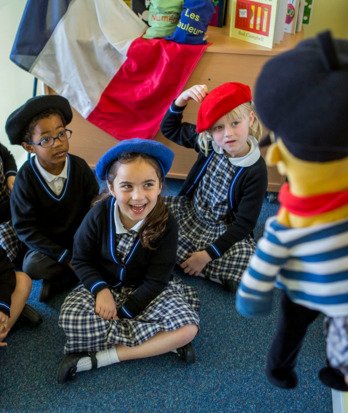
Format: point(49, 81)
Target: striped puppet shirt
point(310, 264)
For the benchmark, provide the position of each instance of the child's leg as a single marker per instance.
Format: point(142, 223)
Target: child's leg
point(56, 277)
point(161, 343)
point(19, 296)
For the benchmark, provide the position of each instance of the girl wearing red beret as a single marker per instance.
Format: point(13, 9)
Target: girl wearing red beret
point(220, 201)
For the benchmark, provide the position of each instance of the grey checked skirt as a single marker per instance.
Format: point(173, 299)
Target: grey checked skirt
point(8, 237)
point(175, 307)
point(195, 234)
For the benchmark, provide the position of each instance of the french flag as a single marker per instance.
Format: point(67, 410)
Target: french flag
point(92, 52)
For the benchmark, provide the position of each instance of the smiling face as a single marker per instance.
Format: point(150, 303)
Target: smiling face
point(53, 158)
point(230, 133)
point(136, 188)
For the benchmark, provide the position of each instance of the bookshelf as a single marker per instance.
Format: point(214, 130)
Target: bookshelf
point(226, 59)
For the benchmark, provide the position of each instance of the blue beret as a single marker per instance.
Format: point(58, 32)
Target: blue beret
point(20, 119)
point(302, 96)
point(163, 155)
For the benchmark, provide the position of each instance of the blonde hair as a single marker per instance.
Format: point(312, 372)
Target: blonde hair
point(240, 112)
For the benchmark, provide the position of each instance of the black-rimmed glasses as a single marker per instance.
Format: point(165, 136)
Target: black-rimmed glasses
point(48, 141)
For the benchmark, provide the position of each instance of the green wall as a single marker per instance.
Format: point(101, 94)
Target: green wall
point(328, 14)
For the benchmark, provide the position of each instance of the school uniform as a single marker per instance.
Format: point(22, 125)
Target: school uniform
point(46, 219)
point(7, 282)
point(147, 299)
point(219, 203)
point(8, 238)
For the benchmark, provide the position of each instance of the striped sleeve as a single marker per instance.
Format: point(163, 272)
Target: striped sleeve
point(255, 293)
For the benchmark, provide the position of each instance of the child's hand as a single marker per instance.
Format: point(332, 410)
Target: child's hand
point(196, 93)
point(105, 305)
point(196, 262)
point(3, 321)
point(10, 181)
point(3, 328)
point(3, 334)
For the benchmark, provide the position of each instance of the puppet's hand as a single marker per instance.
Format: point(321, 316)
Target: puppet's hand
point(249, 306)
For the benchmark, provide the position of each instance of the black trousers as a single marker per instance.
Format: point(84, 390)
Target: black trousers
point(293, 322)
point(39, 266)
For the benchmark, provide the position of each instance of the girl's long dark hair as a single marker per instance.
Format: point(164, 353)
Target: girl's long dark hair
point(155, 223)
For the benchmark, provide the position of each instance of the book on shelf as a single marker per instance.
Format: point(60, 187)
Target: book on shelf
point(300, 15)
point(260, 22)
point(218, 17)
point(307, 11)
point(280, 21)
point(291, 16)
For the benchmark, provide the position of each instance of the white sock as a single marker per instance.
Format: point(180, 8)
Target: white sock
point(104, 358)
point(107, 357)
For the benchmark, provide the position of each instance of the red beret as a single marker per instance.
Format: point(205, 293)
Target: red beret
point(220, 101)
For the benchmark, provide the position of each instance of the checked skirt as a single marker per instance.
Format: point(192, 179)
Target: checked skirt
point(176, 306)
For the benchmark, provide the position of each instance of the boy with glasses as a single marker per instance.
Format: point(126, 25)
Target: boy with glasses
point(52, 193)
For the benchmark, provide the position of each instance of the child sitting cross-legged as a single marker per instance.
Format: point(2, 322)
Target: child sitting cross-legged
point(220, 201)
point(52, 193)
point(128, 306)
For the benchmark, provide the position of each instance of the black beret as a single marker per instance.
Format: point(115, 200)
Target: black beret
point(302, 96)
point(163, 155)
point(19, 120)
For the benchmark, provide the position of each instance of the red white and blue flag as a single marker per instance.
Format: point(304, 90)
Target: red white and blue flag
point(92, 53)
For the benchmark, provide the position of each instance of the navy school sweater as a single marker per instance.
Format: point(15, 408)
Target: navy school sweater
point(96, 263)
point(47, 222)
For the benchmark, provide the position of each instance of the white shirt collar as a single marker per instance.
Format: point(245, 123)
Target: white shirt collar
point(120, 229)
point(48, 177)
point(247, 160)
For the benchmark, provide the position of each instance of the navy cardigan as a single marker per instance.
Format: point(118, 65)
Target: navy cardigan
point(247, 188)
point(7, 282)
point(97, 265)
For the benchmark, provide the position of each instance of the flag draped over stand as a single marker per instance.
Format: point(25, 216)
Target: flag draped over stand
point(92, 53)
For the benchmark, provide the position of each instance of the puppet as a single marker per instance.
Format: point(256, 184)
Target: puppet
point(302, 97)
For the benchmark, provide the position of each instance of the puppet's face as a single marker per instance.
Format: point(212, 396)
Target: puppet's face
point(308, 178)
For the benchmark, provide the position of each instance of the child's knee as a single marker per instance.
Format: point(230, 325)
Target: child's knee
point(189, 332)
point(23, 282)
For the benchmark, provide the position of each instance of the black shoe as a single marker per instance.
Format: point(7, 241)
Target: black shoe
point(47, 291)
point(333, 378)
point(67, 367)
point(230, 285)
point(51, 288)
point(187, 353)
point(29, 317)
point(285, 379)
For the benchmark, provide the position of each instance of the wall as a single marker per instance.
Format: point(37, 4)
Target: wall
point(16, 85)
point(328, 14)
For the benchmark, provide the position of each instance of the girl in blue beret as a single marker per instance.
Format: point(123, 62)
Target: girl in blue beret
point(220, 201)
point(128, 306)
